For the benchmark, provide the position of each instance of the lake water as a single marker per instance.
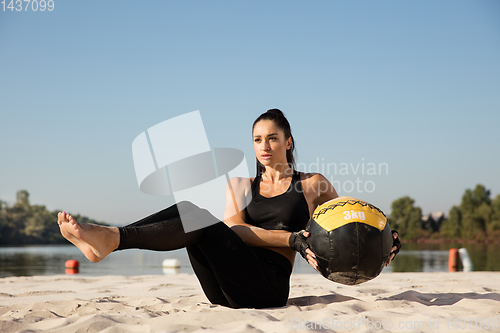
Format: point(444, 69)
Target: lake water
point(49, 260)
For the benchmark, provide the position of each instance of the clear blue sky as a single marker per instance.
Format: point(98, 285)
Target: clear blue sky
point(413, 84)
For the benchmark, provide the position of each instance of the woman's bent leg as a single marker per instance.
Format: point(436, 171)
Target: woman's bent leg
point(206, 276)
point(232, 274)
point(164, 230)
point(166, 214)
point(95, 241)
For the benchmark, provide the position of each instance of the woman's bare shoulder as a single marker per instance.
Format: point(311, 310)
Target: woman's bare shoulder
point(317, 188)
point(241, 180)
point(241, 184)
point(312, 177)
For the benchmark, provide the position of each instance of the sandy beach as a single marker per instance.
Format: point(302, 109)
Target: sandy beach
point(393, 302)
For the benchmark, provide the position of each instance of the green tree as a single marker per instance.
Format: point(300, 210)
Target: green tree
point(476, 212)
point(15, 219)
point(493, 225)
point(406, 218)
point(23, 224)
point(477, 217)
point(452, 227)
point(3, 223)
point(22, 199)
point(40, 225)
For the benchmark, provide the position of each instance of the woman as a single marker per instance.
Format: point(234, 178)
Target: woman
point(245, 261)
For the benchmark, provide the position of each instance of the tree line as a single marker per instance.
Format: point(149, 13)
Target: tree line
point(476, 218)
point(26, 224)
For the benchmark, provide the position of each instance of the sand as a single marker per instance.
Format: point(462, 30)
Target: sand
point(393, 302)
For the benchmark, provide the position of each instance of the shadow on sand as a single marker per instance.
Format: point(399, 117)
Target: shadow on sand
point(325, 299)
point(439, 299)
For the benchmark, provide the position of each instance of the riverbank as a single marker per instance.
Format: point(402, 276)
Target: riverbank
point(451, 241)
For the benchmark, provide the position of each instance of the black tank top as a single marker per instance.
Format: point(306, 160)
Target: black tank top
point(287, 211)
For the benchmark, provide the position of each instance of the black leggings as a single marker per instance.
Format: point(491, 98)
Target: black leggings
point(230, 272)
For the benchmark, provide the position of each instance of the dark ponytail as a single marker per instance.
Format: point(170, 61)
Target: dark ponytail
point(280, 121)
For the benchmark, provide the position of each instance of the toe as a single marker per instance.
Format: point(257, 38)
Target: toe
point(64, 217)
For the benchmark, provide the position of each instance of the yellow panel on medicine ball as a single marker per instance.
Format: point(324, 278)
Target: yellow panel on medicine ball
point(343, 210)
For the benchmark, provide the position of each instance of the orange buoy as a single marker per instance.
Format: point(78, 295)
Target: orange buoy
point(72, 264)
point(72, 271)
point(453, 260)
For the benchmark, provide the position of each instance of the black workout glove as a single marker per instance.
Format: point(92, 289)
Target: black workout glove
point(396, 243)
point(298, 242)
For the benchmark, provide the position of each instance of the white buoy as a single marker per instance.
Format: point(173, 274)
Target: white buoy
point(171, 271)
point(466, 261)
point(171, 266)
point(171, 263)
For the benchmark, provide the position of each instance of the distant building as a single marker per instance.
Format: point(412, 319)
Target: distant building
point(433, 221)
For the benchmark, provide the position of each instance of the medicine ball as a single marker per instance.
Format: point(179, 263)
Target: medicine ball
point(351, 238)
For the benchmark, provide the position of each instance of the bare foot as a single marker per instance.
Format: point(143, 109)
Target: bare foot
point(95, 241)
